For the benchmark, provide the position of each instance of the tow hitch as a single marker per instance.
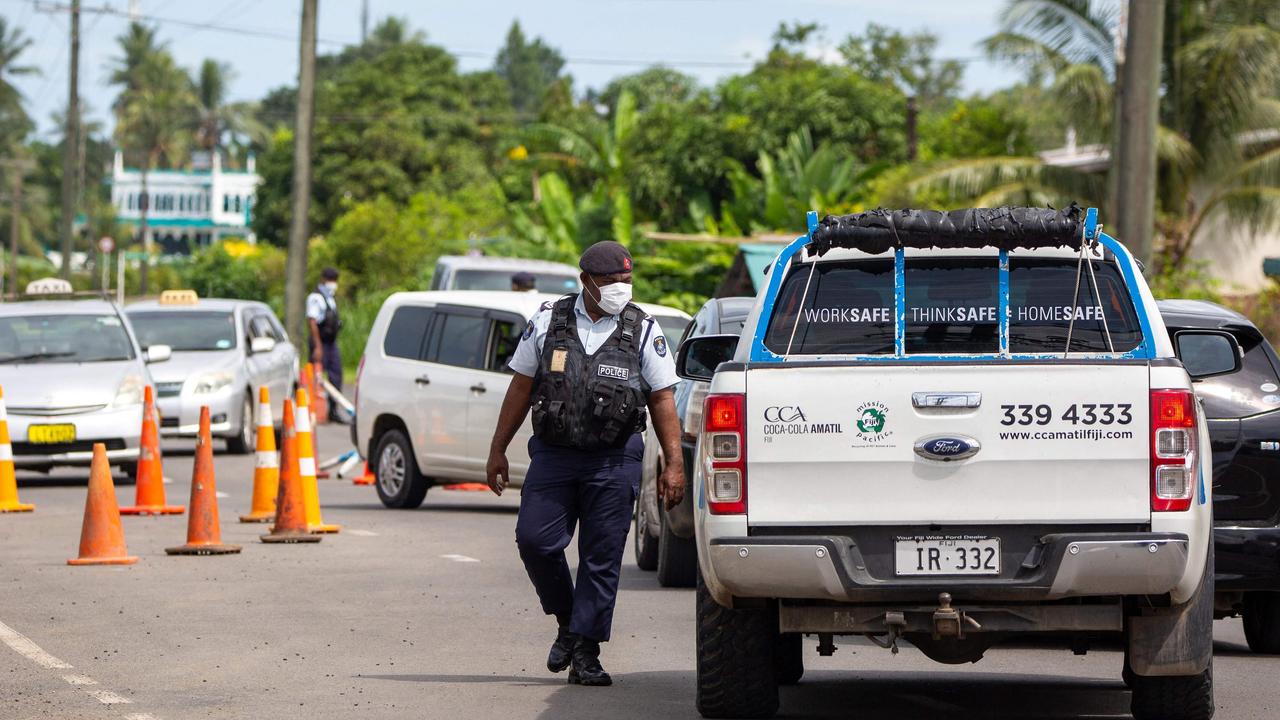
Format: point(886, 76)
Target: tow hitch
point(949, 622)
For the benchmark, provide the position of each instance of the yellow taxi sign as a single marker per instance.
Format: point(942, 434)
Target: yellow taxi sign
point(49, 286)
point(178, 297)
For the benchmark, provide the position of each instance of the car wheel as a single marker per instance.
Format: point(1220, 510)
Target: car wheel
point(646, 545)
point(243, 441)
point(399, 483)
point(736, 674)
point(1262, 622)
point(677, 557)
point(131, 473)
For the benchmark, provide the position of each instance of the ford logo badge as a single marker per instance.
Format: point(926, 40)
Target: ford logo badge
point(947, 447)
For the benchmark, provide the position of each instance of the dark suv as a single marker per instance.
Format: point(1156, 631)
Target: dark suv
point(1244, 429)
point(664, 540)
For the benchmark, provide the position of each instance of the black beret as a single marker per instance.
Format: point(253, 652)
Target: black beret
point(605, 258)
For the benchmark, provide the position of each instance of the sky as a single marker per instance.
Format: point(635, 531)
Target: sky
point(601, 39)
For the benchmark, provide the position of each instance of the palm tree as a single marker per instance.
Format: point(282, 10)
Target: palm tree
point(14, 121)
point(600, 151)
point(1221, 66)
point(218, 119)
point(153, 120)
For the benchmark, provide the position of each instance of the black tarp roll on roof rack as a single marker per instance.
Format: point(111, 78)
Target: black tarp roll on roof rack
point(1006, 228)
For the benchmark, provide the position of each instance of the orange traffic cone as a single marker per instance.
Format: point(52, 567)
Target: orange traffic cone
point(266, 470)
point(8, 481)
point(309, 376)
point(319, 397)
point(149, 488)
point(204, 534)
point(101, 536)
point(367, 478)
point(307, 467)
point(291, 516)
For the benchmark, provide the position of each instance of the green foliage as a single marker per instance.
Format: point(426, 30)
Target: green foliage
point(394, 118)
point(651, 87)
point(235, 270)
point(1192, 281)
point(974, 128)
point(885, 55)
point(529, 69)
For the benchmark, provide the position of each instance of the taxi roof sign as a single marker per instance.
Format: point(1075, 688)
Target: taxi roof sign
point(179, 297)
point(49, 286)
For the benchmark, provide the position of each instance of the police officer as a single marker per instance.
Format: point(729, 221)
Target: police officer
point(588, 366)
point(323, 324)
point(523, 282)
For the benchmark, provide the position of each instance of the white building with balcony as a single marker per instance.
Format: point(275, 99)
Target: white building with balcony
point(187, 209)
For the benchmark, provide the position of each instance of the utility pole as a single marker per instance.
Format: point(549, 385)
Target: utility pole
point(16, 169)
point(1135, 151)
point(299, 228)
point(364, 21)
point(71, 147)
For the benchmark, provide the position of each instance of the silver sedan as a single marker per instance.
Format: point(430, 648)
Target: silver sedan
point(72, 376)
point(223, 351)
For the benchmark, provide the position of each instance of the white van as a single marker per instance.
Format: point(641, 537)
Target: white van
point(467, 272)
point(431, 382)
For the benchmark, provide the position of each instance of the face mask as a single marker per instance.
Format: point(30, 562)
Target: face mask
point(613, 297)
point(332, 287)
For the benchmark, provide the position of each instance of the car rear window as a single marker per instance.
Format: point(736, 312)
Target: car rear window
point(951, 306)
point(406, 331)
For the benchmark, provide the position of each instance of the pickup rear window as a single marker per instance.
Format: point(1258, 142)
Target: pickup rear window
point(951, 306)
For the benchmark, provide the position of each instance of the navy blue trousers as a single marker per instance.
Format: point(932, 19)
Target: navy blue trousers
point(596, 491)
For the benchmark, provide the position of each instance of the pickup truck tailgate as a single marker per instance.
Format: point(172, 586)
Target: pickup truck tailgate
point(1057, 442)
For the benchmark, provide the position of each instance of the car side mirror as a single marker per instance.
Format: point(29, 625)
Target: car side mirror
point(261, 345)
point(158, 353)
point(700, 356)
point(1207, 353)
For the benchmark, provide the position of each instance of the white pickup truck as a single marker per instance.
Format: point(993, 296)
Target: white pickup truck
point(955, 430)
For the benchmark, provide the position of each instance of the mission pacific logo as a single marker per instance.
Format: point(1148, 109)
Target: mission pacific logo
point(871, 419)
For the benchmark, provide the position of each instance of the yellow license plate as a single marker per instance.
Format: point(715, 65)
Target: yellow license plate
point(46, 434)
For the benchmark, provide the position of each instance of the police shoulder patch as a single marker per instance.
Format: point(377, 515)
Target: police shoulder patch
point(660, 345)
point(528, 331)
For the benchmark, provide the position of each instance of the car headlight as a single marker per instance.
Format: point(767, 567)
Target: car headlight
point(129, 392)
point(210, 383)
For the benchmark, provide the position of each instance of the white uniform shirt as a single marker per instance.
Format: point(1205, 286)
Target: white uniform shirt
point(656, 362)
point(318, 302)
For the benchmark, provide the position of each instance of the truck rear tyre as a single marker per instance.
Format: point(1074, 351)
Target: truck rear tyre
point(646, 544)
point(677, 558)
point(1262, 622)
point(399, 483)
point(1179, 697)
point(788, 659)
point(737, 677)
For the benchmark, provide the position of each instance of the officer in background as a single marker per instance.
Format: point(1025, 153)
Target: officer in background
point(323, 325)
point(587, 365)
point(524, 282)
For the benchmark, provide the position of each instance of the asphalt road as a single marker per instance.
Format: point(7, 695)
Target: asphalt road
point(429, 614)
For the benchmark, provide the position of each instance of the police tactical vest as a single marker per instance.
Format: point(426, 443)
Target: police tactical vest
point(589, 402)
point(331, 323)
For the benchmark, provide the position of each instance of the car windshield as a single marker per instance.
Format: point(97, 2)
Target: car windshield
point(672, 325)
point(553, 283)
point(185, 331)
point(33, 339)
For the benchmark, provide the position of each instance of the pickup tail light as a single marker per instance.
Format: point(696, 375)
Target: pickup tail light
point(1173, 450)
point(724, 451)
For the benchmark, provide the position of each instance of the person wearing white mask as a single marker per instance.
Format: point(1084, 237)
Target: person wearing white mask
point(587, 366)
point(323, 324)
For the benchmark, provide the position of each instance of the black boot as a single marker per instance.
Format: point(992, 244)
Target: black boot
point(586, 665)
point(561, 650)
